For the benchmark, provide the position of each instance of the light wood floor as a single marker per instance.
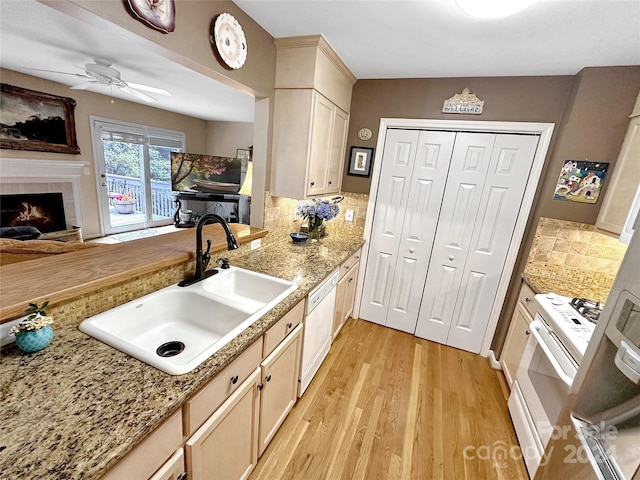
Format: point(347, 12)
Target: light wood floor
point(388, 405)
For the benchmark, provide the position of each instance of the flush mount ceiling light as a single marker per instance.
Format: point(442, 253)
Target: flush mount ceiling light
point(493, 8)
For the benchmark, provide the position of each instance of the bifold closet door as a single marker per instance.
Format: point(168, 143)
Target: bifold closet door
point(483, 195)
point(410, 192)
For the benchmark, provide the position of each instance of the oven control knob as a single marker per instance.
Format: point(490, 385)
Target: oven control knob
point(557, 302)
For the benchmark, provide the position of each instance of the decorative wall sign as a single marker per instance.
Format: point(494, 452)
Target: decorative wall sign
point(158, 14)
point(464, 102)
point(31, 120)
point(580, 181)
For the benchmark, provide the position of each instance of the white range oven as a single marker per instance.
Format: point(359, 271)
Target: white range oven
point(558, 338)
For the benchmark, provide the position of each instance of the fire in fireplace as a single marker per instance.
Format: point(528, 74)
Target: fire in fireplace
point(45, 211)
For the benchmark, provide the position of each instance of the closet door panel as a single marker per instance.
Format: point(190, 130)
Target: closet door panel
point(393, 192)
point(463, 192)
point(505, 183)
point(428, 179)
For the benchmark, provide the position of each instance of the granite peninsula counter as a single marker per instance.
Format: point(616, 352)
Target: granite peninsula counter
point(73, 410)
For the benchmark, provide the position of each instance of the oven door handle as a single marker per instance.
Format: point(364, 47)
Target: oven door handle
point(537, 330)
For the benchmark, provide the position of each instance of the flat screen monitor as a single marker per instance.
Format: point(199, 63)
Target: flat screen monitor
point(205, 173)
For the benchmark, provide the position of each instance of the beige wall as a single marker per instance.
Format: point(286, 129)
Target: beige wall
point(224, 138)
point(590, 111)
point(92, 104)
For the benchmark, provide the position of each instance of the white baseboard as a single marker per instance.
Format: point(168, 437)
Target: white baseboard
point(495, 364)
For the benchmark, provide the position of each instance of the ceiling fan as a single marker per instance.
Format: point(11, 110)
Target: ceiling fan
point(102, 73)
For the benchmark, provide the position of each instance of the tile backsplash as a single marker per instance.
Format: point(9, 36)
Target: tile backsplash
point(574, 252)
point(278, 216)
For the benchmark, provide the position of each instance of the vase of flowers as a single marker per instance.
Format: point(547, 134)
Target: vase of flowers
point(316, 212)
point(34, 333)
point(124, 203)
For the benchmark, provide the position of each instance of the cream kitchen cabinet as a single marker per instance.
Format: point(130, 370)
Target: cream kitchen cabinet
point(279, 390)
point(309, 142)
point(345, 292)
point(518, 333)
point(226, 446)
point(311, 116)
point(625, 179)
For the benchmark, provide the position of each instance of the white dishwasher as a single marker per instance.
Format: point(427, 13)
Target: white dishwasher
point(316, 335)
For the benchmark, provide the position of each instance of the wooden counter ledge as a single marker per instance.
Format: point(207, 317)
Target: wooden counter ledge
point(63, 277)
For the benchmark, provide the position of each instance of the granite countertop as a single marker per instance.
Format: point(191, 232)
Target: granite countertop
point(566, 288)
point(74, 409)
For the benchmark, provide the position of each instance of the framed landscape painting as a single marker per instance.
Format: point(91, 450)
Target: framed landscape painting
point(31, 120)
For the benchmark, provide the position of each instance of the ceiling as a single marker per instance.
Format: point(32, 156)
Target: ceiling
point(434, 38)
point(375, 38)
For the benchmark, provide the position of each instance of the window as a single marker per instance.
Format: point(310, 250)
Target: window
point(133, 166)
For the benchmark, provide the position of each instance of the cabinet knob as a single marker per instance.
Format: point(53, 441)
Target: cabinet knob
point(411, 250)
point(268, 378)
point(313, 183)
point(234, 379)
point(329, 182)
point(289, 325)
point(527, 333)
point(350, 279)
point(182, 476)
point(260, 387)
point(527, 299)
point(451, 257)
point(357, 257)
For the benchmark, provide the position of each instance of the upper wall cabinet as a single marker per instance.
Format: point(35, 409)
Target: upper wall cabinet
point(624, 181)
point(311, 117)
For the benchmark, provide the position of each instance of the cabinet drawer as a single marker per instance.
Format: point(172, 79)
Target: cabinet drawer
point(526, 298)
point(280, 330)
point(349, 263)
point(151, 453)
point(207, 400)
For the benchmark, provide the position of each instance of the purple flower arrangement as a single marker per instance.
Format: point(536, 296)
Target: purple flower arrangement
point(319, 208)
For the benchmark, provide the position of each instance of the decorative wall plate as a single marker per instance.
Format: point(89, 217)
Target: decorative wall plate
point(158, 14)
point(365, 134)
point(229, 40)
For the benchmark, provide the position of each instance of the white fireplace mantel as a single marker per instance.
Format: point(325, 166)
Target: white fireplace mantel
point(25, 175)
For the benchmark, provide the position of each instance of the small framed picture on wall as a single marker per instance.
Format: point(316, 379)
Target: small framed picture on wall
point(360, 161)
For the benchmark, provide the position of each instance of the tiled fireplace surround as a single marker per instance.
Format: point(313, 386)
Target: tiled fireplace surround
point(23, 175)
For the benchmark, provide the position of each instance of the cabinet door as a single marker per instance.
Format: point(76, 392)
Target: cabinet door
point(624, 182)
point(339, 311)
point(336, 155)
point(226, 446)
point(515, 342)
point(322, 125)
point(280, 386)
point(350, 293)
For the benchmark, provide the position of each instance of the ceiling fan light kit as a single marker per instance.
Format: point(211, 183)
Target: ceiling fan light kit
point(490, 9)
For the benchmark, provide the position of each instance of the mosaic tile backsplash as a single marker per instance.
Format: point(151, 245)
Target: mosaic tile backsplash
point(574, 252)
point(278, 216)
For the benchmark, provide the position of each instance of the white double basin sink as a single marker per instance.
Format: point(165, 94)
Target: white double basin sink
point(177, 328)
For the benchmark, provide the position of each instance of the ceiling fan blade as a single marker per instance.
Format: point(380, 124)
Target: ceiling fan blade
point(148, 88)
point(83, 85)
point(54, 71)
point(137, 94)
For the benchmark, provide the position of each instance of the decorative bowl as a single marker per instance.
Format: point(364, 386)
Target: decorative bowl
point(299, 238)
